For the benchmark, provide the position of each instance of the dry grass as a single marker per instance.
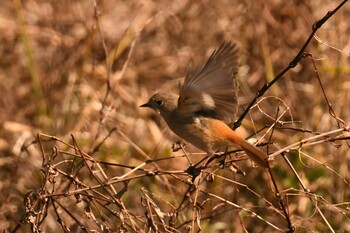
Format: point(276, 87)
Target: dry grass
point(78, 154)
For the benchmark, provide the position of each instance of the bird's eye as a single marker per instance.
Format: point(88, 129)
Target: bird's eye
point(159, 102)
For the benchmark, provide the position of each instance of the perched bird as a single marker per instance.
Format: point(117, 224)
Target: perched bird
point(207, 99)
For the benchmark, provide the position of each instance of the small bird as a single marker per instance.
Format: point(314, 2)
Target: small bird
point(207, 99)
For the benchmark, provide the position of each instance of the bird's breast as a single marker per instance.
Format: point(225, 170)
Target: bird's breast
point(202, 132)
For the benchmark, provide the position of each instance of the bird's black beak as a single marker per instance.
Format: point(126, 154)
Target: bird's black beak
point(145, 105)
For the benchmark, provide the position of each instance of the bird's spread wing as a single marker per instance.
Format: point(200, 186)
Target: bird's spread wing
point(212, 89)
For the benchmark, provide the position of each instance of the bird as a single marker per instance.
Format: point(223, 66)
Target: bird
point(206, 102)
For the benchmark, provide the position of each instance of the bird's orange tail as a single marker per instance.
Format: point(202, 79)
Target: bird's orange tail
point(253, 152)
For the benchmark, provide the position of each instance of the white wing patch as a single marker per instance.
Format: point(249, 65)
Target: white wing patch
point(208, 101)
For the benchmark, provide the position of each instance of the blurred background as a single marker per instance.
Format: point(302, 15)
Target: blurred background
point(58, 56)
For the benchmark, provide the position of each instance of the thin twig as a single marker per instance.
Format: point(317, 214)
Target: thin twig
point(300, 55)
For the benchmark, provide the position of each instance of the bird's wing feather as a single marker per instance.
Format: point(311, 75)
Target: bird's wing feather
point(212, 88)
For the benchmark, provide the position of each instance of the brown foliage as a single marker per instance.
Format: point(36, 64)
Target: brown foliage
point(77, 153)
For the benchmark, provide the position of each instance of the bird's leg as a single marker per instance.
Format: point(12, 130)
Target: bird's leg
point(213, 157)
point(179, 145)
point(217, 155)
point(194, 170)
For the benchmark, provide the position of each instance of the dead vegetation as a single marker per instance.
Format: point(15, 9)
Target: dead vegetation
point(77, 154)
